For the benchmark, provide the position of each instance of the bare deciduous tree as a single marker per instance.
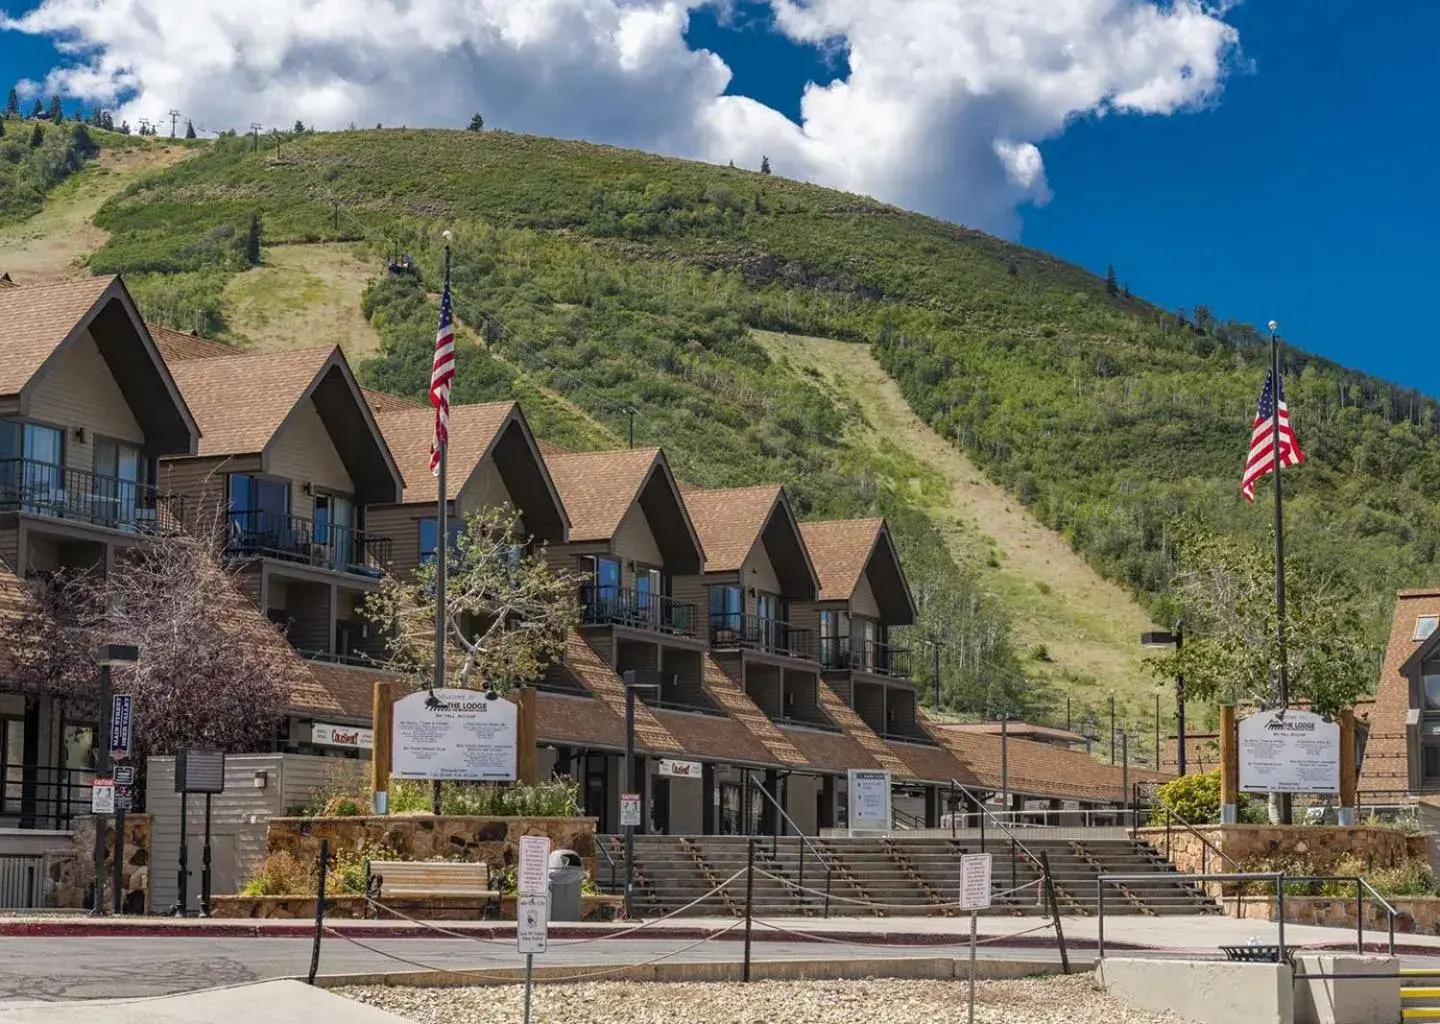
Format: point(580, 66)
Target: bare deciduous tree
point(507, 611)
point(212, 670)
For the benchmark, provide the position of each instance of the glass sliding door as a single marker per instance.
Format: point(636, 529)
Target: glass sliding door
point(119, 477)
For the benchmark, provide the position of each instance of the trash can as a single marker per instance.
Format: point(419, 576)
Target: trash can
point(567, 876)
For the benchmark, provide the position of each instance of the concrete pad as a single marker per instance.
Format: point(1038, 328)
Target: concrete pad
point(1204, 991)
point(1347, 1000)
point(270, 1002)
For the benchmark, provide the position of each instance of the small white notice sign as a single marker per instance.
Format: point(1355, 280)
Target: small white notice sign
point(630, 810)
point(975, 881)
point(102, 796)
point(532, 923)
point(533, 878)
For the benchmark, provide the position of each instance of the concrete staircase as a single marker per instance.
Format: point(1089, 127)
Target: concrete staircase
point(895, 876)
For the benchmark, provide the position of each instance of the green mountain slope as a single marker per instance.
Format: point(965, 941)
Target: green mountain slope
point(612, 278)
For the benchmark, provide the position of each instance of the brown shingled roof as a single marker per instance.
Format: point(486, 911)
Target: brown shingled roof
point(729, 521)
point(383, 401)
point(1040, 769)
point(1385, 769)
point(178, 347)
point(240, 401)
point(840, 550)
point(35, 319)
point(408, 432)
point(598, 488)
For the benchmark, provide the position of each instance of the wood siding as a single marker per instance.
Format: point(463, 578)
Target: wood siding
point(302, 453)
point(202, 483)
point(635, 540)
point(401, 523)
point(759, 574)
point(484, 489)
point(77, 390)
point(863, 602)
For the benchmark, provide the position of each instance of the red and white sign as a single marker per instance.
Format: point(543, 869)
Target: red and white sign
point(680, 769)
point(102, 796)
point(326, 735)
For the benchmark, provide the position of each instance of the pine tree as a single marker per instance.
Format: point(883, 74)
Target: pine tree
point(38, 110)
point(2, 127)
point(1126, 293)
point(124, 127)
point(57, 112)
point(190, 129)
point(477, 123)
point(36, 138)
point(1111, 287)
point(299, 127)
point(764, 164)
point(12, 104)
point(107, 121)
point(252, 241)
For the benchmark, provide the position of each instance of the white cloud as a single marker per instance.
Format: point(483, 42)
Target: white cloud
point(941, 111)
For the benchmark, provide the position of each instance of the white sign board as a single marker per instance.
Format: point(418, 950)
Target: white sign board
point(326, 735)
point(533, 878)
point(1297, 752)
point(454, 734)
point(532, 923)
point(974, 881)
point(680, 769)
point(630, 809)
point(869, 800)
point(102, 796)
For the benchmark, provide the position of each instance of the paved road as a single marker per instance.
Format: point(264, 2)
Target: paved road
point(86, 968)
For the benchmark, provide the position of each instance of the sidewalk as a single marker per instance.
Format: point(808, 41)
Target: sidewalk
point(1135, 932)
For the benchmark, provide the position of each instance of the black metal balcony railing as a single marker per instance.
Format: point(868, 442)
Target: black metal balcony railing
point(641, 609)
point(293, 539)
point(43, 489)
point(751, 632)
point(881, 659)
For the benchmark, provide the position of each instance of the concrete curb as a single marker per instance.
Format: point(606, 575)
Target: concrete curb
point(943, 968)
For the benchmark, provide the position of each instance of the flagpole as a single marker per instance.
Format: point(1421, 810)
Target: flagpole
point(1284, 674)
point(442, 544)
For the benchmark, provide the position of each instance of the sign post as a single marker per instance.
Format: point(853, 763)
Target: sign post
point(453, 734)
point(532, 906)
point(122, 726)
point(1289, 751)
point(869, 801)
point(974, 897)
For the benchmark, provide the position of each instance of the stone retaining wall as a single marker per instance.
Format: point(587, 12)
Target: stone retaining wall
point(71, 875)
point(1415, 914)
point(493, 841)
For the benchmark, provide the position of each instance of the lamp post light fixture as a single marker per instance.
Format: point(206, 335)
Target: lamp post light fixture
point(1159, 640)
point(935, 644)
point(631, 685)
point(107, 656)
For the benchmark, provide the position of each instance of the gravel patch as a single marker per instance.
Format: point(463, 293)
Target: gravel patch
point(1073, 1000)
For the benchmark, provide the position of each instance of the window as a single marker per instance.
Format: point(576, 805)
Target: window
point(13, 761)
point(259, 497)
point(334, 521)
point(428, 532)
point(832, 643)
point(39, 477)
point(727, 607)
point(1425, 625)
point(119, 472)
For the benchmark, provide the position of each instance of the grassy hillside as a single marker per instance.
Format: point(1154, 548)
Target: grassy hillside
point(610, 278)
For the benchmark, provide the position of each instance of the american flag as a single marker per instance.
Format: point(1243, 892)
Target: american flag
point(1261, 459)
point(442, 372)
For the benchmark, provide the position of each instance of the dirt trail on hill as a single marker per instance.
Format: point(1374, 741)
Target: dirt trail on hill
point(45, 247)
point(1086, 623)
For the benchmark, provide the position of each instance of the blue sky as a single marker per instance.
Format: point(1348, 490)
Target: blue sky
point(1301, 191)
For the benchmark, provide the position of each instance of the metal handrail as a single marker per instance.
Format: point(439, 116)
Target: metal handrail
point(1015, 842)
point(611, 861)
point(1360, 883)
point(805, 845)
point(1277, 877)
point(1205, 845)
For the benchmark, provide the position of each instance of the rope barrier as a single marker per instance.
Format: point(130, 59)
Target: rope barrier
point(965, 944)
point(887, 906)
point(567, 943)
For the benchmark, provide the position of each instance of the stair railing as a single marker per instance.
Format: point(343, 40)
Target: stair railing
point(1206, 847)
point(608, 860)
point(804, 841)
point(985, 812)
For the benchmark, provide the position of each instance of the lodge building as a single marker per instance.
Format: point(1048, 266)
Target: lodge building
point(767, 646)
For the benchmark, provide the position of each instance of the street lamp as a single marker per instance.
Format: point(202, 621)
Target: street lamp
point(630, 412)
point(107, 656)
point(935, 646)
point(1159, 640)
point(631, 685)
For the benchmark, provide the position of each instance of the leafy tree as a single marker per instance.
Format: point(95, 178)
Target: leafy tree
point(189, 129)
point(252, 240)
point(299, 127)
point(477, 123)
point(56, 111)
point(12, 103)
point(764, 164)
point(1112, 287)
point(506, 610)
point(37, 137)
point(1227, 591)
point(38, 110)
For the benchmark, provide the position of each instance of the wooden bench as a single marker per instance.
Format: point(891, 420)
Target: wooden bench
point(431, 880)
